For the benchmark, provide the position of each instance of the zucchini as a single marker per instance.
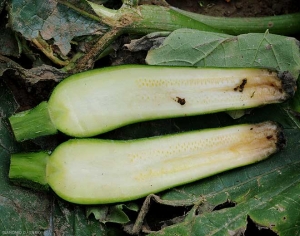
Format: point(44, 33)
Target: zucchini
point(100, 100)
point(94, 171)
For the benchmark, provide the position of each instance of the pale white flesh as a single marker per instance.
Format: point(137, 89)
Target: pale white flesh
point(91, 171)
point(95, 102)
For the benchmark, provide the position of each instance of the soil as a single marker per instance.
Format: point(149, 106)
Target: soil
point(238, 8)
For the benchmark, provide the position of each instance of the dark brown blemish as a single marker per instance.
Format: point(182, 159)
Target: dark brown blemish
point(269, 46)
point(270, 24)
point(269, 136)
point(241, 87)
point(288, 83)
point(181, 101)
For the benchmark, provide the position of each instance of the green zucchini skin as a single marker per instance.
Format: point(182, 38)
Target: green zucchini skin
point(93, 171)
point(98, 101)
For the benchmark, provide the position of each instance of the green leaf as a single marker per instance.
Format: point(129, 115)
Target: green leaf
point(51, 20)
point(113, 213)
point(69, 219)
point(185, 47)
point(295, 102)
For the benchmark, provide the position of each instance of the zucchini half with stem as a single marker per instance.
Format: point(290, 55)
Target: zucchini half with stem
point(94, 171)
point(100, 100)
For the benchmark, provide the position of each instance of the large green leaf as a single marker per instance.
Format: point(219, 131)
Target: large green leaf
point(186, 47)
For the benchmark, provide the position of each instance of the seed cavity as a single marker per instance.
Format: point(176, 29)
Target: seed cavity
point(240, 87)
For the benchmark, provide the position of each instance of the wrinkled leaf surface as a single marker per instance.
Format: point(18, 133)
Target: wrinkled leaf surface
point(185, 47)
point(51, 20)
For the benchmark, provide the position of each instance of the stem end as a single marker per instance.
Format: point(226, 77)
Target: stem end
point(32, 123)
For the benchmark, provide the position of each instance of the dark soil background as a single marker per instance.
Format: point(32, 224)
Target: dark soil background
point(238, 8)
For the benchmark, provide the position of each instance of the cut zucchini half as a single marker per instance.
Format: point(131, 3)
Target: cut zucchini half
point(97, 101)
point(93, 171)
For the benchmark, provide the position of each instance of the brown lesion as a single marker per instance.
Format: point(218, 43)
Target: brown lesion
point(181, 101)
point(241, 87)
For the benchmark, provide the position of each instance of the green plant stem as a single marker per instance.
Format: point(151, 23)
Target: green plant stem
point(29, 170)
point(87, 61)
point(288, 24)
point(150, 18)
point(47, 50)
point(82, 12)
point(32, 123)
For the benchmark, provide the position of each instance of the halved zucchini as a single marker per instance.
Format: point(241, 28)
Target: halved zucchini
point(101, 100)
point(93, 171)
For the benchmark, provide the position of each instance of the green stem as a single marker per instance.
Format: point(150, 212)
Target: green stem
point(29, 170)
point(287, 24)
point(150, 18)
point(47, 50)
point(103, 11)
point(82, 12)
point(32, 123)
point(87, 61)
